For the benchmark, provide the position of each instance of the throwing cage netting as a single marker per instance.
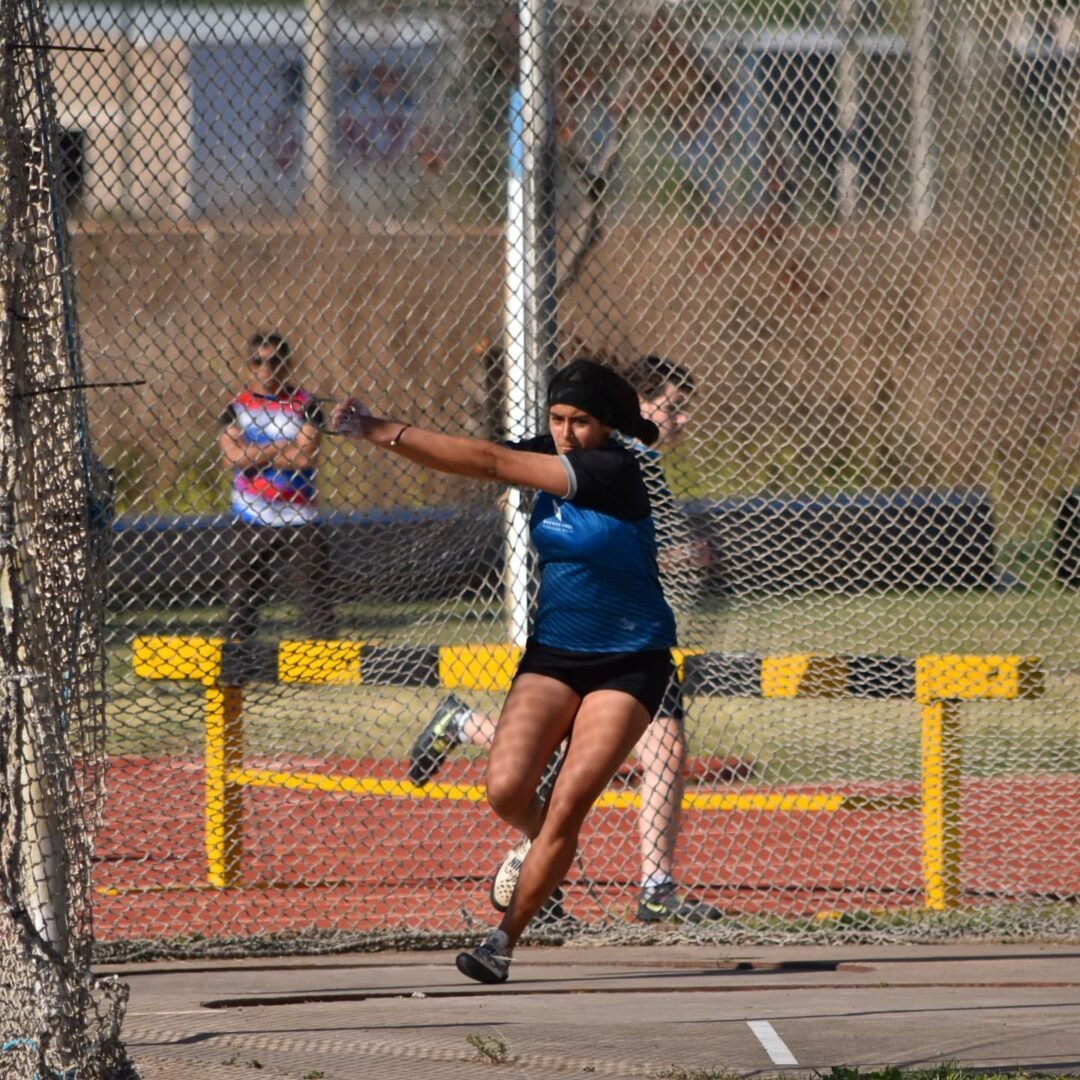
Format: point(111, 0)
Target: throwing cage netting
point(56, 1018)
point(855, 225)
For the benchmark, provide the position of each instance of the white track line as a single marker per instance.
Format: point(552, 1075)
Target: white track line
point(775, 1047)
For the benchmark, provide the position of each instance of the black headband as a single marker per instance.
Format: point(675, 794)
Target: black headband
point(586, 397)
point(603, 394)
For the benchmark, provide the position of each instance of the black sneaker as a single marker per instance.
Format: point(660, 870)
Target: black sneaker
point(442, 734)
point(489, 962)
point(663, 904)
point(552, 913)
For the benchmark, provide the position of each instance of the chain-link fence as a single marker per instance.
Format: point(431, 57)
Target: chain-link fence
point(852, 233)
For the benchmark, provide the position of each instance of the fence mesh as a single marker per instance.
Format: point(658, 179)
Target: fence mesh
point(56, 1018)
point(854, 227)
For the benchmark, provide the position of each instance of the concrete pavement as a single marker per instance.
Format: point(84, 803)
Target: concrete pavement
point(680, 1012)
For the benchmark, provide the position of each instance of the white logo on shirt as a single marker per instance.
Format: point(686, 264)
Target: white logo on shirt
point(555, 521)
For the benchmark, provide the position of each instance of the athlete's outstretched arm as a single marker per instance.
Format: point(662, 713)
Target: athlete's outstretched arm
point(461, 455)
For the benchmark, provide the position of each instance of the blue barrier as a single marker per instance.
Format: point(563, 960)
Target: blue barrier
point(835, 543)
point(399, 555)
point(852, 543)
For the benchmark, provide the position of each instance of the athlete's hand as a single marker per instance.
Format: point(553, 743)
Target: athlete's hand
point(348, 418)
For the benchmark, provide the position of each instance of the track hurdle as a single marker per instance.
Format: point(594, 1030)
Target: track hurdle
point(939, 683)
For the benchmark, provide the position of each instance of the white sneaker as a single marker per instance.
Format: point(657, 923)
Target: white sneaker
point(506, 877)
point(489, 962)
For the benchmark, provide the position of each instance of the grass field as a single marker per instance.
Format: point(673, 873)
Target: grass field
point(1043, 623)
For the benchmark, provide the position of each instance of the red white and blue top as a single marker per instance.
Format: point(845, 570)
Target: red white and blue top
point(268, 495)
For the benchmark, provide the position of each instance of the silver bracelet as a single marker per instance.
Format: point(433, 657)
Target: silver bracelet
point(397, 438)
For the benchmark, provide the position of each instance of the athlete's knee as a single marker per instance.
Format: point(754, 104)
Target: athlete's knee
point(508, 794)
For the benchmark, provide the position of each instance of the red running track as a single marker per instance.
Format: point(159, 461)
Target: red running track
point(356, 864)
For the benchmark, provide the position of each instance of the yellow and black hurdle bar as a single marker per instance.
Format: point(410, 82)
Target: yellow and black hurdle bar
point(939, 683)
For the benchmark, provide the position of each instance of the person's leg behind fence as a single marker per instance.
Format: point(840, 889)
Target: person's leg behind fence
point(247, 568)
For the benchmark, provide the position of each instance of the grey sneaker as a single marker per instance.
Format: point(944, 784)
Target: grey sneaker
point(489, 962)
point(442, 734)
point(506, 877)
point(663, 904)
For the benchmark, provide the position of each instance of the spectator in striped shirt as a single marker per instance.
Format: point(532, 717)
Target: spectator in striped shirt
point(270, 440)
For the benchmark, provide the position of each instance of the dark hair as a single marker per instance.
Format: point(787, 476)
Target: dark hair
point(281, 352)
point(650, 374)
point(601, 392)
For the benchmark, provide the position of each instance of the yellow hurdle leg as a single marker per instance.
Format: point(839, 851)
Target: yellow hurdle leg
point(224, 802)
point(941, 804)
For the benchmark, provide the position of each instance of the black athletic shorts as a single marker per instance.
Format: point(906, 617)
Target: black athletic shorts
point(672, 704)
point(646, 676)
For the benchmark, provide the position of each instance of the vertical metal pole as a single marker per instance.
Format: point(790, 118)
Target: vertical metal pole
point(847, 115)
point(529, 324)
point(538, 93)
point(46, 882)
point(920, 46)
point(520, 379)
point(318, 108)
point(1072, 203)
point(127, 109)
